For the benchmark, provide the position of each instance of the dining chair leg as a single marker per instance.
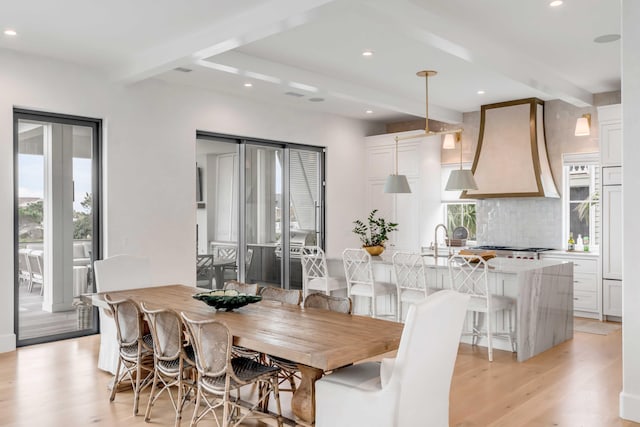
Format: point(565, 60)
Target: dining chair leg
point(276, 393)
point(195, 410)
point(147, 414)
point(114, 389)
point(136, 390)
point(179, 401)
point(489, 336)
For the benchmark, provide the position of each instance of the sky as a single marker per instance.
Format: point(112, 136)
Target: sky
point(31, 178)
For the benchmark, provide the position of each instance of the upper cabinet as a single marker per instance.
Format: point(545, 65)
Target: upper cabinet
point(609, 117)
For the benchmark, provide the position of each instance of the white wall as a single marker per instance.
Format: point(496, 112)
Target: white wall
point(149, 157)
point(630, 396)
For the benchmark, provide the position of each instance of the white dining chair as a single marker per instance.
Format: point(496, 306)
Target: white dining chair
point(114, 274)
point(315, 274)
point(360, 279)
point(469, 274)
point(36, 262)
point(410, 390)
point(411, 280)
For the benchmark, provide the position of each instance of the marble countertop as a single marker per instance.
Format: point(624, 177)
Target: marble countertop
point(573, 254)
point(498, 265)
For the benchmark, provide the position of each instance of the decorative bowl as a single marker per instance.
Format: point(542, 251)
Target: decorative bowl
point(374, 250)
point(226, 300)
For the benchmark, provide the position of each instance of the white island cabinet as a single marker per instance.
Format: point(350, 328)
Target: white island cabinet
point(543, 290)
point(587, 292)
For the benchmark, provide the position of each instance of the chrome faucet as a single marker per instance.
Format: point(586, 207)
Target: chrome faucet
point(435, 239)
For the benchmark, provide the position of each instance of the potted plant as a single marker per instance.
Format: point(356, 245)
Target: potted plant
point(374, 233)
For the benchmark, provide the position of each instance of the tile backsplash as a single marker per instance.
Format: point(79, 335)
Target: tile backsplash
point(525, 222)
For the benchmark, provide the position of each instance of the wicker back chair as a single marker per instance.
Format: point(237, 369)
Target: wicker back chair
point(360, 280)
point(172, 356)
point(219, 374)
point(468, 274)
point(243, 288)
point(135, 349)
point(285, 296)
point(326, 302)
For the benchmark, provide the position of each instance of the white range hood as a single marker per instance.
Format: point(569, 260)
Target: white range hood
point(511, 157)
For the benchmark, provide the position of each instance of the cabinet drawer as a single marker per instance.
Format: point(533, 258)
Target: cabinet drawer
point(585, 301)
point(585, 282)
point(585, 266)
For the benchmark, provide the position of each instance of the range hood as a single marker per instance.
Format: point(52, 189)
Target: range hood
point(511, 157)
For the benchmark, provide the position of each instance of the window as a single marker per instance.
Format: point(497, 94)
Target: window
point(581, 198)
point(461, 214)
point(457, 212)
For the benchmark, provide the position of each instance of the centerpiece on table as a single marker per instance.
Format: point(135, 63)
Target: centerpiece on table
point(374, 233)
point(227, 300)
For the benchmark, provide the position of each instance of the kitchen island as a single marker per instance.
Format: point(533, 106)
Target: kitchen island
point(543, 290)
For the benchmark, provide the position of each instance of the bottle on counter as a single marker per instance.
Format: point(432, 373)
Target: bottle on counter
point(579, 245)
point(571, 246)
point(585, 243)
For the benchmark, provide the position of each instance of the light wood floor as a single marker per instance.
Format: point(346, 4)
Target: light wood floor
point(574, 384)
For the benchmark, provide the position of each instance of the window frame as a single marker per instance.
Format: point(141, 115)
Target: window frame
point(586, 159)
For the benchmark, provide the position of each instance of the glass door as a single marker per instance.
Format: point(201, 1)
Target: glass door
point(264, 219)
point(305, 207)
point(56, 166)
point(259, 202)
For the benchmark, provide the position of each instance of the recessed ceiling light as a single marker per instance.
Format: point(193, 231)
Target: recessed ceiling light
point(555, 3)
point(248, 84)
point(183, 69)
point(607, 38)
point(10, 33)
point(367, 53)
point(480, 92)
point(369, 112)
point(316, 99)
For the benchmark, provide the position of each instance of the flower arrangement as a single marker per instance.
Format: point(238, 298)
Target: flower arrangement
point(375, 231)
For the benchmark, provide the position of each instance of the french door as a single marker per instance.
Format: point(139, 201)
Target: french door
point(56, 237)
point(262, 199)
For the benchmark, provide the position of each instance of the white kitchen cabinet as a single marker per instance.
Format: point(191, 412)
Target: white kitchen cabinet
point(587, 292)
point(612, 297)
point(609, 117)
point(612, 232)
point(413, 212)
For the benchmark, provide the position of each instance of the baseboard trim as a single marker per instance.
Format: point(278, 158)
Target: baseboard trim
point(7, 343)
point(630, 406)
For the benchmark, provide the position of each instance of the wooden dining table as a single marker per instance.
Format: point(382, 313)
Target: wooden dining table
point(317, 340)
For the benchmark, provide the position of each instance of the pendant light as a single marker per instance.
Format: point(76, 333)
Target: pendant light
point(461, 179)
point(397, 183)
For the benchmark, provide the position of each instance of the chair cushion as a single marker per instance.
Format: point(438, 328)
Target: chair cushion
point(326, 283)
point(363, 376)
point(412, 295)
point(382, 288)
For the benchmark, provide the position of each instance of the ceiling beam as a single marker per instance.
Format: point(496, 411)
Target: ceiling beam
point(309, 82)
point(453, 37)
point(270, 17)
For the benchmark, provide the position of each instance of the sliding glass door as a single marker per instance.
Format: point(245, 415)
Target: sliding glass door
point(266, 209)
point(56, 232)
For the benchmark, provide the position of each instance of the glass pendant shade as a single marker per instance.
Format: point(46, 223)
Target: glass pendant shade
point(397, 184)
point(461, 179)
point(582, 126)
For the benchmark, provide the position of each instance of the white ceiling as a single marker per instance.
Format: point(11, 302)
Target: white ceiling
point(510, 49)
